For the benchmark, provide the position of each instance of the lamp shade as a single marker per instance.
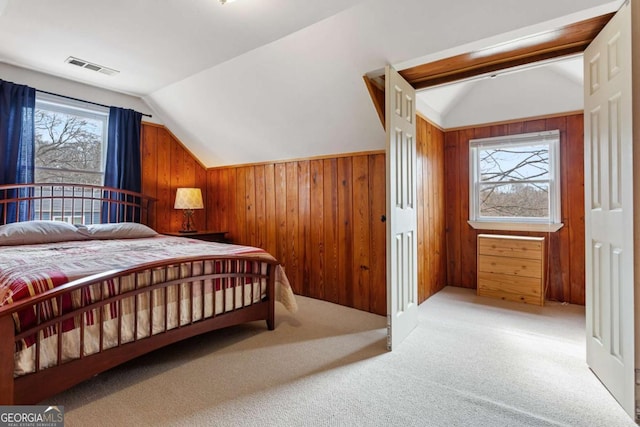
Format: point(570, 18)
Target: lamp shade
point(188, 198)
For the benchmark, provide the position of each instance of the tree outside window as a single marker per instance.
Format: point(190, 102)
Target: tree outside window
point(70, 142)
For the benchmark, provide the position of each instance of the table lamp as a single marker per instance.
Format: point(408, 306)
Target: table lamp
point(188, 199)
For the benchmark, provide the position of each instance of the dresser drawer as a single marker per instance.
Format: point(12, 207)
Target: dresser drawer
point(525, 289)
point(511, 268)
point(511, 246)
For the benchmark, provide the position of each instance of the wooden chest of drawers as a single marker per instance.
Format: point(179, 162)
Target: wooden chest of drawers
point(511, 268)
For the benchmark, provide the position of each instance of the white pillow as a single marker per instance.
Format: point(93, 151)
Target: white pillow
point(34, 232)
point(116, 230)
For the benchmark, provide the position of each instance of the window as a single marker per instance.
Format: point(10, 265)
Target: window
point(74, 219)
point(70, 141)
point(70, 147)
point(515, 182)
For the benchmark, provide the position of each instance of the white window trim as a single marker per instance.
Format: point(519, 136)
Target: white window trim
point(551, 224)
point(516, 226)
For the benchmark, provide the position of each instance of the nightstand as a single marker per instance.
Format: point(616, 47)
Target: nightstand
point(206, 235)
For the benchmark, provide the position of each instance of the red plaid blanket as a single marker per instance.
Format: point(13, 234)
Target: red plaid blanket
point(30, 284)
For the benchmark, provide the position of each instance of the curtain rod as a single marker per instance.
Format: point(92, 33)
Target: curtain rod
point(81, 100)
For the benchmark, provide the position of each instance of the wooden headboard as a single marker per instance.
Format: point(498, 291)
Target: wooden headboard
point(74, 203)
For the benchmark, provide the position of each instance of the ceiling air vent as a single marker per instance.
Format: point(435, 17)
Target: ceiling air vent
point(91, 66)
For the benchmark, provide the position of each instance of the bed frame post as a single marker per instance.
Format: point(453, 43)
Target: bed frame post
point(7, 349)
point(271, 295)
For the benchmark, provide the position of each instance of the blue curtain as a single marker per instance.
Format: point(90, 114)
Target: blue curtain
point(123, 166)
point(17, 143)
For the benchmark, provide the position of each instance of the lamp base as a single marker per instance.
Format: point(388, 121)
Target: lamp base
point(187, 231)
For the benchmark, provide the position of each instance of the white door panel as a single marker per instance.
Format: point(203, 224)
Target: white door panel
point(402, 219)
point(609, 209)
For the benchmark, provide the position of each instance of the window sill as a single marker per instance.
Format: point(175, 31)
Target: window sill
point(515, 226)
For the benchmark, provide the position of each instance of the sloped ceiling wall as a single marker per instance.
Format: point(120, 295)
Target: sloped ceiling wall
point(296, 88)
point(152, 43)
point(511, 97)
point(535, 92)
point(303, 95)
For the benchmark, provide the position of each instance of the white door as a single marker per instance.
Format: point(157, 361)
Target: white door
point(402, 219)
point(609, 207)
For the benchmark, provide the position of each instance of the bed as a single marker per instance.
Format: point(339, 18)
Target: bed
point(85, 285)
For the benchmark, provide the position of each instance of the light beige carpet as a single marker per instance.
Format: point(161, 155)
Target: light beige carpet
point(472, 362)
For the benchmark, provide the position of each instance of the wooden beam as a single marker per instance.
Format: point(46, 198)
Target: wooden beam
point(377, 96)
point(571, 39)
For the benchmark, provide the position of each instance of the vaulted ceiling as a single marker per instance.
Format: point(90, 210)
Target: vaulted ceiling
point(262, 80)
point(535, 90)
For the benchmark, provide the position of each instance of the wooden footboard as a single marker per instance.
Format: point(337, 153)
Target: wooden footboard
point(90, 325)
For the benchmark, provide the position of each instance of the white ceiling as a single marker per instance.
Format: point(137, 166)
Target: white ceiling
point(152, 43)
point(262, 80)
point(549, 87)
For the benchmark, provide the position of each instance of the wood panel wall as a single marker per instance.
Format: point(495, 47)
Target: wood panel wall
point(566, 263)
point(321, 218)
point(432, 250)
point(167, 165)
